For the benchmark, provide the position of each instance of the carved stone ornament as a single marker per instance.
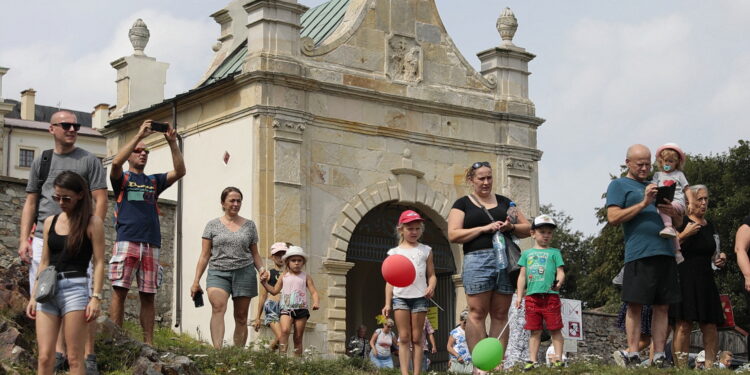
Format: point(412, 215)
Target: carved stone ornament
point(139, 36)
point(404, 59)
point(506, 26)
point(521, 165)
point(308, 45)
point(289, 126)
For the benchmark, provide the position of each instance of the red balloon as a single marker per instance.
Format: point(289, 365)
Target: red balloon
point(398, 271)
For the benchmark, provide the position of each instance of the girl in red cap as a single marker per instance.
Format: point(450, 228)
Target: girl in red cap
point(410, 303)
point(670, 159)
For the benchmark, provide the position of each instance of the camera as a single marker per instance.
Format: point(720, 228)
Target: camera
point(159, 126)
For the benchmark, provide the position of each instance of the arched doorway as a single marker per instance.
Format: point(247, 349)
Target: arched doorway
point(373, 236)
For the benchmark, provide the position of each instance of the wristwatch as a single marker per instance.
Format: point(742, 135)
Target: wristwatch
point(97, 296)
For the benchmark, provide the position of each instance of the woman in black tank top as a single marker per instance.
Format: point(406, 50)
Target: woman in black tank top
point(270, 303)
point(489, 288)
point(72, 239)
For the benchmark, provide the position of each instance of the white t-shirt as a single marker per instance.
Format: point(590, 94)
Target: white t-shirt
point(418, 256)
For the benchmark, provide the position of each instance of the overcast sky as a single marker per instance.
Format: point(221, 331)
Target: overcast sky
point(607, 73)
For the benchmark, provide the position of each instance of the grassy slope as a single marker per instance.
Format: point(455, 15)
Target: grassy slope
point(260, 361)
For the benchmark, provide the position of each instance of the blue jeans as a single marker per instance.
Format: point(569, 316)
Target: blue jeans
point(381, 362)
point(481, 273)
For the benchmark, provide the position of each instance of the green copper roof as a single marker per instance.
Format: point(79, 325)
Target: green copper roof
point(317, 23)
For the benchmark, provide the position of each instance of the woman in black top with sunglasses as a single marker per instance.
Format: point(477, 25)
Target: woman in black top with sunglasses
point(489, 289)
point(71, 240)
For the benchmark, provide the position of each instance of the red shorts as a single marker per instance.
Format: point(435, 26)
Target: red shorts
point(544, 306)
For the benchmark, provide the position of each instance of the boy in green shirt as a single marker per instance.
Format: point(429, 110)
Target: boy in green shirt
point(541, 271)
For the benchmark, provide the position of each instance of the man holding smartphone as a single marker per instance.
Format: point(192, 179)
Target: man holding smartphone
point(137, 223)
point(650, 273)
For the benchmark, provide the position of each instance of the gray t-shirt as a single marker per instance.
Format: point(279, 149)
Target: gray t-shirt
point(79, 161)
point(230, 250)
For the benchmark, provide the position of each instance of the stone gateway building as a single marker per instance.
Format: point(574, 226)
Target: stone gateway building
point(332, 120)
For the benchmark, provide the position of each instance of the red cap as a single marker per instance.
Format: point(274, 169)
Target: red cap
point(408, 216)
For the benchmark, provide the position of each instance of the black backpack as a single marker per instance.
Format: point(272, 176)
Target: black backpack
point(43, 174)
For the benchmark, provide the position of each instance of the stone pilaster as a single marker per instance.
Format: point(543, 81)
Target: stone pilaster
point(273, 41)
point(335, 271)
point(288, 204)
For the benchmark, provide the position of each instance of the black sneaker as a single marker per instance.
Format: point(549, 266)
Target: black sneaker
point(61, 362)
point(660, 362)
point(90, 362)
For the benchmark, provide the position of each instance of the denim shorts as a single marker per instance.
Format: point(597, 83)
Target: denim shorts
point(71, 295)
point(415, 305)
point(481, 273)
point(271, 311)
point(238, 283)
point(381, 362)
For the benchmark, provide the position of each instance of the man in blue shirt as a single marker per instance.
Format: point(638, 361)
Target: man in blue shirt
point(650, 276)
point(137, 223)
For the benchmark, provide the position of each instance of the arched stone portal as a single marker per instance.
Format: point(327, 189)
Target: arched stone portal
point(365, 293)
point(408, 189)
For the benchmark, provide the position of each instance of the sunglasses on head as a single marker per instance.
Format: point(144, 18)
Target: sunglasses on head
point(139, 150)
point(67, 125)
point(481, 164)
point(62, 198)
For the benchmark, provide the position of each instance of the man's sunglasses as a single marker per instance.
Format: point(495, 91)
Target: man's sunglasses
point(481, 164)
point(67, 125)
point(62, 198)
point(139, 150)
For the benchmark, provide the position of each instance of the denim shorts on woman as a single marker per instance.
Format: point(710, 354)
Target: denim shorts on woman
point(240, 282)
point(481, 273)
point(71, 295)
point(415, 305)
point(271, 311)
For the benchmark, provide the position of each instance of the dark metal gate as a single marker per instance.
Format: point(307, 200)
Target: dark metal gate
point(374, 235)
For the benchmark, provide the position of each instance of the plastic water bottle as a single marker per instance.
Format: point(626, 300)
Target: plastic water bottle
point(498, 242)
point(513, 216)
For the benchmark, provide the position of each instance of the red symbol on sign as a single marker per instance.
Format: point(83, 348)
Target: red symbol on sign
point(574, 329)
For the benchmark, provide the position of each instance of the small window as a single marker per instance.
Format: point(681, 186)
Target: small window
point(25, 157)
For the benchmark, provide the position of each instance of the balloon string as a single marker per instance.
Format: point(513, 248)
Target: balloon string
point(432, 300)
point(503, 331)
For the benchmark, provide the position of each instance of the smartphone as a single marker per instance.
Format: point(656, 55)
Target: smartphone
point(198, 299)
point(159, 126)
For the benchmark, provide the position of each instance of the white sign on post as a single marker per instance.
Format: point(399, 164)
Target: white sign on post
point(572, 318)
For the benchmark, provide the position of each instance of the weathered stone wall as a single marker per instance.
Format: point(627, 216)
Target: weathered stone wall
point(12, 197)
point(601, 337)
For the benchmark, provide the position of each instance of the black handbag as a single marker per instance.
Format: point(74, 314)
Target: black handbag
point(46, 285)
point(512, 251)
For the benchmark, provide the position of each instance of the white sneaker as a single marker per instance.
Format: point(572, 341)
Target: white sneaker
point(678, 257)
point(668, 232)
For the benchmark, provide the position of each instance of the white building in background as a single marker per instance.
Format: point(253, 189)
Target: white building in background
point(334, 119)
point(25, 132)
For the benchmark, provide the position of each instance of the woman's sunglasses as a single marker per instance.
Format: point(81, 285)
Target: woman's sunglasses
point(481, 164)
point(62, 198)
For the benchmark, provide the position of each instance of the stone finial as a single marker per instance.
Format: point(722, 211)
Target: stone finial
point(139, 36)
point(506, 26)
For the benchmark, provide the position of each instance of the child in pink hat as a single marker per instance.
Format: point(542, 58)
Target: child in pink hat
point(670, 159)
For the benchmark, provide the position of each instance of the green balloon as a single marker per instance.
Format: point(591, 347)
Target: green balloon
point(487, 354)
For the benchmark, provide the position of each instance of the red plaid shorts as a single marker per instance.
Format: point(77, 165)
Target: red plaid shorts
point(138, 256)
point(544, 306)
